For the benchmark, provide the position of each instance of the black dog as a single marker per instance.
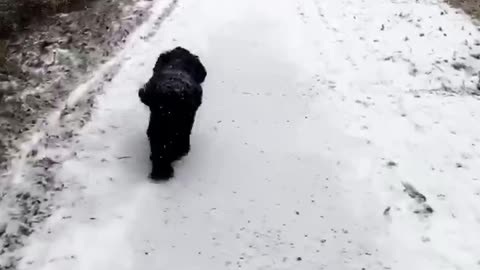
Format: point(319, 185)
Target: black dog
point(173, 95)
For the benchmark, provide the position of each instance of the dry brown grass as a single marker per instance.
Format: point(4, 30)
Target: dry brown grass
point(471, 7)
point(3, 51)
point(3, 56)
point(15, 15)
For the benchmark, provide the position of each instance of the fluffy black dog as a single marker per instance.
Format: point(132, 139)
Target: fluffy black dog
point(173, 95)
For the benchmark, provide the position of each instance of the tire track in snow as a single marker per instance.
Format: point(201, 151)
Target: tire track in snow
point(161, 18)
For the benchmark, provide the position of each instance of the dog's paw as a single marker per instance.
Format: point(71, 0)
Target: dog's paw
point(185, 150)
point(181, 153)
point(164, 173)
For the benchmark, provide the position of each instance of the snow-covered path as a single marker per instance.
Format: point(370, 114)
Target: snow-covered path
point(315, 112)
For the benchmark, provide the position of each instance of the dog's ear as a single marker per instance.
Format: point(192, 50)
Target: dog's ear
point(199, 71)
point(143, 95)
point(163, 59)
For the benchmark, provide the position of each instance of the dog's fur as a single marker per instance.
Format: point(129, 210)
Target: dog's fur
point(173, 95)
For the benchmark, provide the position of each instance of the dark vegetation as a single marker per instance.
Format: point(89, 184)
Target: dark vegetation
point(18, 15)
point(471, 7)
point(47, 47)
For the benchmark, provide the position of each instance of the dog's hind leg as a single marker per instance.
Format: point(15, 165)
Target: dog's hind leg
point(184, 136)
point(161, 163)
point(183, 146)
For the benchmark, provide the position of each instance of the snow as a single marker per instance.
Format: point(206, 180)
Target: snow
point(314, 116)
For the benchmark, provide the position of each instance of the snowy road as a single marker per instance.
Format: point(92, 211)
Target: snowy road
point(315, 112)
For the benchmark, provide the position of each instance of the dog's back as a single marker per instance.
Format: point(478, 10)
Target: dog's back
point(172, 88)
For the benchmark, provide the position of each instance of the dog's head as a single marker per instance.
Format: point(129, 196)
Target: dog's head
point(182, 59)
